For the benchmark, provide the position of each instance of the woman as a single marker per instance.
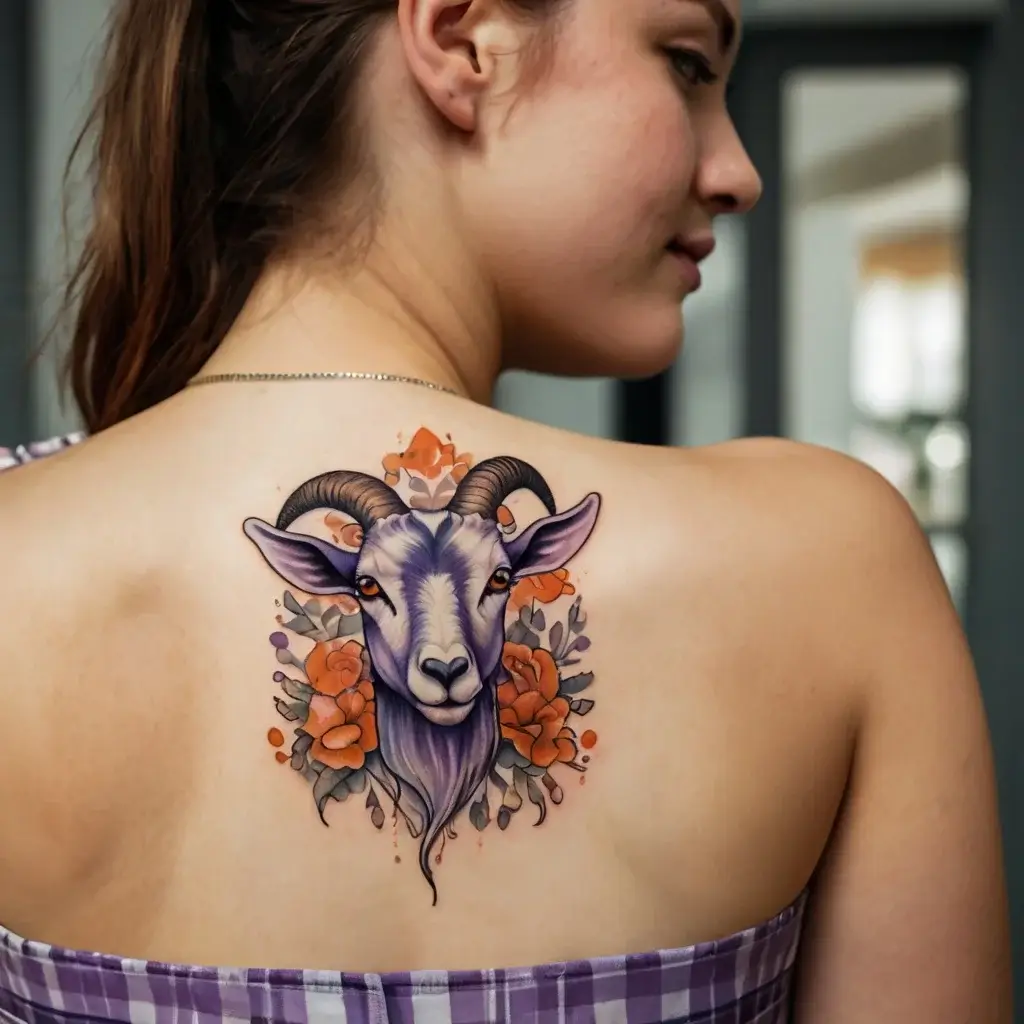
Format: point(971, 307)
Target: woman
point(355, 673)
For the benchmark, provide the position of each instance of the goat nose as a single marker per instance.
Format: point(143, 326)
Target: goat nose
point(445, 672)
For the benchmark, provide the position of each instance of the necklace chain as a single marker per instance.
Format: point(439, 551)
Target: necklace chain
point(232, 378)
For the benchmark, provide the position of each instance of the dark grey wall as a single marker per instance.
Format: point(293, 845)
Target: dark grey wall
point(995, 611)
point(14, 222)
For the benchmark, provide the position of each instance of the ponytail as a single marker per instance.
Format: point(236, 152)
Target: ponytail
point(222, 133)
point(154, 289)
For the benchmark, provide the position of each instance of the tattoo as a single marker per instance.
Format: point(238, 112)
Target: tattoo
point(419, 665)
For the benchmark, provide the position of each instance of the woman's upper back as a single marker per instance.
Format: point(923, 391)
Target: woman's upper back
point(688, 790)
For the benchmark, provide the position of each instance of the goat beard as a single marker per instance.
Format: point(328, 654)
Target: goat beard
point(438, 767)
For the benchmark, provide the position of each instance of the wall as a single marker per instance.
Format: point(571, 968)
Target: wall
point(864, 10)
point(65, 41)
point(14, 323)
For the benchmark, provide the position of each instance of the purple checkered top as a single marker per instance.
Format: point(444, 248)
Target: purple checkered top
point(743, 979)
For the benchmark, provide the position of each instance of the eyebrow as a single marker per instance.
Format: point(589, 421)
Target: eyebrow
point(727, 27)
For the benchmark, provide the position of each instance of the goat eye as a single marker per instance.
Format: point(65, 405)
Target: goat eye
point(368, 587)
point(500, 582)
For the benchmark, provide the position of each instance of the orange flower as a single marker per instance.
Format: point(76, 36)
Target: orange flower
point(547, 587)
point(344, 728)
point(532, 714)
point(427, 457)
point(335, 665)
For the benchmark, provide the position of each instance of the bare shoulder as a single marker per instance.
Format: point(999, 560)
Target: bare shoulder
point(782, 506)
point(914, 865)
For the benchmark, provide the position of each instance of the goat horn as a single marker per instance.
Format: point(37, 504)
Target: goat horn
point(365, 498)
point(486, 486)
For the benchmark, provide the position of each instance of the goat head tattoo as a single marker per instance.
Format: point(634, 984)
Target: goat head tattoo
point(435, 680)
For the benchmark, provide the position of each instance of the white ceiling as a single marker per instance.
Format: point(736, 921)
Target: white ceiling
point(827, 112)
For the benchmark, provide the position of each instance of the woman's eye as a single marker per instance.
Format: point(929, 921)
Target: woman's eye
point(692, 67)
point(368, 587)
point(500, 581)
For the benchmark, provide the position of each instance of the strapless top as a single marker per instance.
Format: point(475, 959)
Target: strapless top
point(743, 979)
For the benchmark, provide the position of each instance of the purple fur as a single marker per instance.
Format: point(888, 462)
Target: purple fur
point(440, 767)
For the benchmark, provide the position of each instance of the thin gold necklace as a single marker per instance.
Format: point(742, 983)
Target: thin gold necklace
point(231, 378)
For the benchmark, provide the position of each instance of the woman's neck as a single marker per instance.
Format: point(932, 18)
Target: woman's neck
point(395, 321)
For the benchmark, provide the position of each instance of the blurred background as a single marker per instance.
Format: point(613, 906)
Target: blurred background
point(870, 303)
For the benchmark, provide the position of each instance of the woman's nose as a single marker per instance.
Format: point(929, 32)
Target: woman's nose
point(727, 180)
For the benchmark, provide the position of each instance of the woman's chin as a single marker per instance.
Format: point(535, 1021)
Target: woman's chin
point(644, 346)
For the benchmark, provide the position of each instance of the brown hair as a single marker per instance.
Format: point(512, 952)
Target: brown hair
point(220, 128)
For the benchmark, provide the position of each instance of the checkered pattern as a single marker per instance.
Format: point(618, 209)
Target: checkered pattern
point(11, 457)
point(744, 979)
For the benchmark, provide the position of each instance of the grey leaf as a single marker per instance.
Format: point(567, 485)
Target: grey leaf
point(526, 616)
point(498, 781)
point(567, 662)
point(285, 710)
point(299, 750)
point(328, 616)
point(298, 689)
point(555, 638)
point(325, 785)
point(418, 485)
point(537, 798)
point(509, 757)
point(480, 814)
point(312, 607)
point(516, 633)
point(377, 817)
point(504, 817)
point(371, 799)
point(446, 485)
point(575, 684)
point(341, 791)
point(292, 605)
point(581, 644)
point(351, 624)
point(531, 640)
point(301, 625)
point(357, 781)
point(574, 612)
point(582, 707)
point(532, 769)
point(538, 622)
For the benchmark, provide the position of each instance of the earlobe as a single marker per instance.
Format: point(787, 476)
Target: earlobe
point(442, 44)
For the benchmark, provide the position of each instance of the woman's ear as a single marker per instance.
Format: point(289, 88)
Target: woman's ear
point(452, 48)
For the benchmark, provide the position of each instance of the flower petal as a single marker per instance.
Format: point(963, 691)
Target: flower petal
point(368, 727)
point(527, 706)
point(566, 749)
point(544, 752)
point(341, 736)
point(523, 742)
point(507, 694)
point(350, 757)
point(324, 714)
point(352, 704)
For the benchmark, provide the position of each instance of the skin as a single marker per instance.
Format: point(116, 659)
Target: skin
point(785, 695)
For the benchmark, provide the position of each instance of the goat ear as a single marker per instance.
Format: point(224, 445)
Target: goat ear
point(550, 543)
point(308, 563)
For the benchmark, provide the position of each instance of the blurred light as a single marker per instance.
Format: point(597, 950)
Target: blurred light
point(947, 446)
